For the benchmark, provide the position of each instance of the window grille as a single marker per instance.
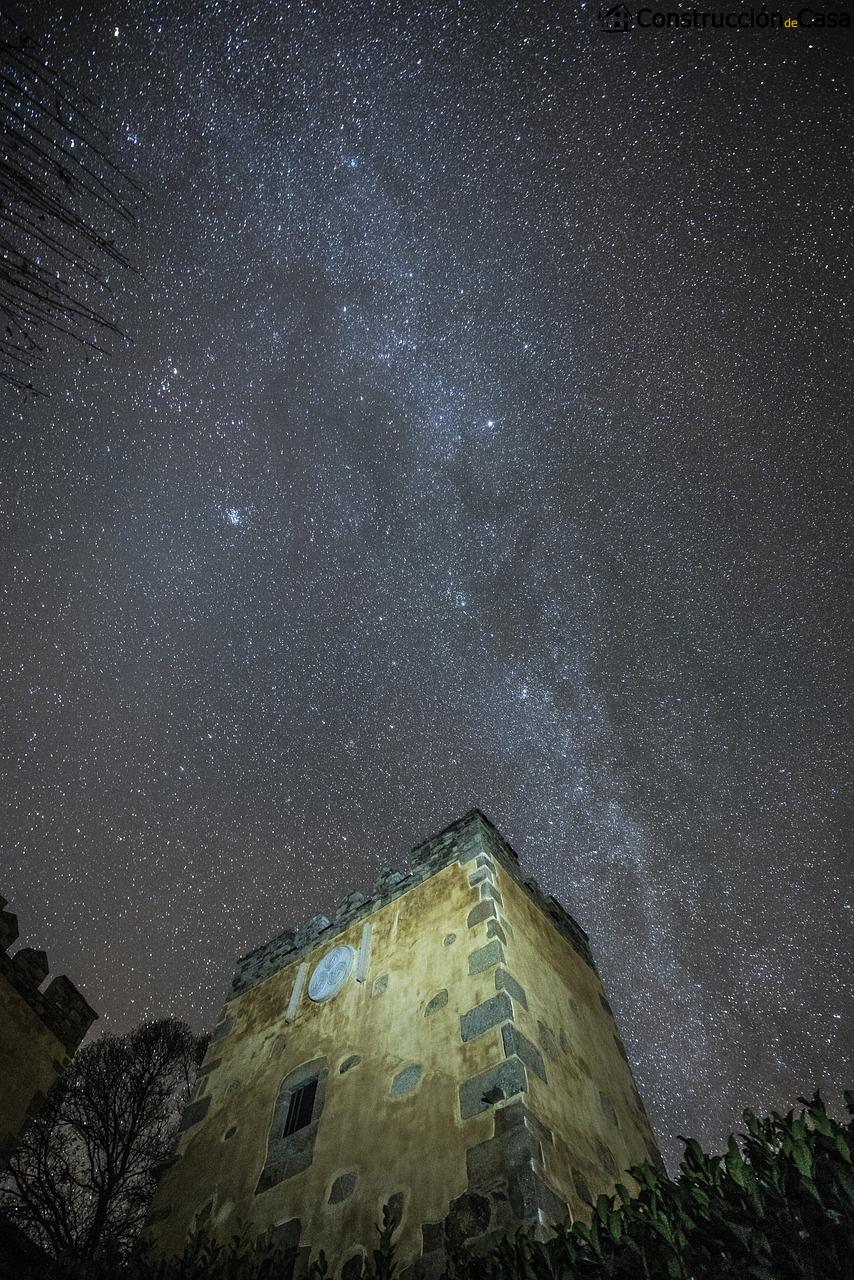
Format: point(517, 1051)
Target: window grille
point(300, 1108)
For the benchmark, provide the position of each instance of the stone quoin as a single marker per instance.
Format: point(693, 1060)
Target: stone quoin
point(442, 1045)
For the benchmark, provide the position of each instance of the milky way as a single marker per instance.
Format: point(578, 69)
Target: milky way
point(486, 440)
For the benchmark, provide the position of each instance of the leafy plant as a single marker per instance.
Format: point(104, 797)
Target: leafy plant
point(778, 1204)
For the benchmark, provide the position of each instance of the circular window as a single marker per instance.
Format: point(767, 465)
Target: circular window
point(331, 973)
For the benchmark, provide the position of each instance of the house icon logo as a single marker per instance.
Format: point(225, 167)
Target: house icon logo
point(617, 18)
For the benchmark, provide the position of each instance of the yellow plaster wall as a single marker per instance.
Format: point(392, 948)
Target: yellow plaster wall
point(565, 995)
point(415, 1144)
point(31, 1058)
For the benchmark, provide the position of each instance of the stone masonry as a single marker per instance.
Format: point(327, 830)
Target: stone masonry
point(40, 1027)
point(467, 1071)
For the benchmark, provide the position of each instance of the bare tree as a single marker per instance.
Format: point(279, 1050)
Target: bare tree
point(81, 1181)
point(60, 196)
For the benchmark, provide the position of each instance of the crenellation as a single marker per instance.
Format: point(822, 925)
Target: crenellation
point(424, 1046)
point(39, 1027)
point(471, 837)
point(61, 1007)
point(31, 966)
point(8, 926)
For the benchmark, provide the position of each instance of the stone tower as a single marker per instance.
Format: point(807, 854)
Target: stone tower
point(443, 1046)
point(39, 1030)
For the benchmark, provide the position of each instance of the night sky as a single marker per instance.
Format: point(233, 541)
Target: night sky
point(486, 440)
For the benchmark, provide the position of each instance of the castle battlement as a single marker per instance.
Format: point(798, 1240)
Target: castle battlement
point(461, 840)
point(441, 1045)
point(39, 1030)
point(60, 1007)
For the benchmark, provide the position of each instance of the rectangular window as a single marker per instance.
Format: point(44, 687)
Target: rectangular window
point(300, 1107)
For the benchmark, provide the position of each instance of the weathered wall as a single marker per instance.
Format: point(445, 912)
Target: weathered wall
point(38, 1031)
point(588, 1100)
point(443, 1083)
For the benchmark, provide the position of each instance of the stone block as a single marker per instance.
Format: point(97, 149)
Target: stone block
point(8, 926)
point(285, 1235)
point(432, 1236)
point(440, 999)
point(606, 1159)
point(505, 981)
point(517, 1116)
point(483, 911)
point(582, 1189)
point(468, 1218)
point(195, 1112)
point(407, 1080)
point(31, 966)
point(609, 1111)
point(504, 1080)
point(207, 1067)
point(312, 929)
point(354, 1267)
point(491, 1013)
point(494, 930)
point(490, 891)
point(350, 905)
point(517, 1045)
point(343, 1187)
point(547, 1040)
point(486, 957)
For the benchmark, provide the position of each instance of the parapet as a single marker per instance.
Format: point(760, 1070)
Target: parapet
point(60, 1006)
point(463, 839)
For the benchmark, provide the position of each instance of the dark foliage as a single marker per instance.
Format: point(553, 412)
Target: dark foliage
point(80, 1183)
point(60, 194)
point(778, 1205)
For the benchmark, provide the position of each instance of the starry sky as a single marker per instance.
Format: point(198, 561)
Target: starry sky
point(486, 439)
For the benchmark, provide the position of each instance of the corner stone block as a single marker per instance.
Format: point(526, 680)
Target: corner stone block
point(486, 957)
point(518, 1116)
point(517, 1045)
point(491, 1013)
point(504, 1080)
point(490, 891)
point(505, 981)
point(483, 911)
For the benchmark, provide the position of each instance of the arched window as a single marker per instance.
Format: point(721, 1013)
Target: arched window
point(293, 1129)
